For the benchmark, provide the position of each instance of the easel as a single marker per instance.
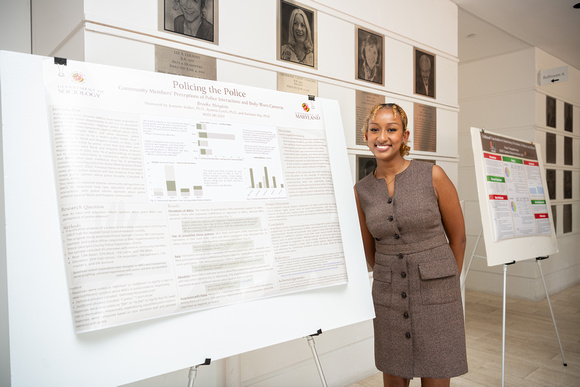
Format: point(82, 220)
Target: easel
point(538, 261)
point(310, 338)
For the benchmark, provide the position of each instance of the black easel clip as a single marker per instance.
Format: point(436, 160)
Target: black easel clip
point(542, 258)
point(482, 130)
point(511, 263)
point(59, 61)
point(206, 362)
point(318, 332)
point(311, 97)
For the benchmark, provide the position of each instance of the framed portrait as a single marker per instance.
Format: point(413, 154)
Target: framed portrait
point(424, 65)
point(550, 148)
point(555, 218)
point(567, 212)
point(297, 34)
point(568, 117)
point(364, 166)
point(369, 56)
point(568, 151)
point(551, 182)
point(193, 18)
point(550, 111)
point(567, 184)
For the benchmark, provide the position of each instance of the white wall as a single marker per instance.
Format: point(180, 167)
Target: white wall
point(502, 94)
point(125, 33)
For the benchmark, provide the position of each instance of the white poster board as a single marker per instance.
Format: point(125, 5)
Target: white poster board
point(44, 348)
point(513, 198)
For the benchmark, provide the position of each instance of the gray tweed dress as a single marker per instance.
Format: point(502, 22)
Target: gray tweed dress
point(419, 329)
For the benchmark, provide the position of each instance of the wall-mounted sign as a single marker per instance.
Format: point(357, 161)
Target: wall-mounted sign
point(557, 74)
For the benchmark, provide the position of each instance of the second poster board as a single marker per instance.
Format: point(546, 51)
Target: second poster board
point(513, 199)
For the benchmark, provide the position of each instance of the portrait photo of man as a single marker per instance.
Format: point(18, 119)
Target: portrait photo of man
point(369, 64)
point(550, 111)
point(296, 34)
point(424, 73)
point(194, 18)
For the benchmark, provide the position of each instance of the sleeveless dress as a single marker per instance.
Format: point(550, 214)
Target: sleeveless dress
point(419, 327)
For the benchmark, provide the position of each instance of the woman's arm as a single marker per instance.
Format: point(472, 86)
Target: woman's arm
point(451, 213)
point(367, 238)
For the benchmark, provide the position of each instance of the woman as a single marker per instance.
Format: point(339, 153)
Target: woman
point(192, 22)
point(369, 67)
point(406, 210)
point(299, 48)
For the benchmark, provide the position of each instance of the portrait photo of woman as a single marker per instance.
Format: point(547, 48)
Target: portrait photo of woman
point(369, 56)
point(296, 34)
point(194, 18)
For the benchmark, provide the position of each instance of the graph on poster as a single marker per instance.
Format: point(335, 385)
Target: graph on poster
point(193, 161)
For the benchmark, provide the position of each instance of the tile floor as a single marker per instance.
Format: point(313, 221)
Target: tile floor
point(533, 356)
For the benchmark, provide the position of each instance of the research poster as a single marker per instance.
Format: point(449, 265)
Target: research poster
point(516, 197)
point(179, 194)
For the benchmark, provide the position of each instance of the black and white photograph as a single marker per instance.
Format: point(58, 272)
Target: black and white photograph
point(568, 151)
point(550, 111)
point(568, 117)
point(364, 166)
point(193, 18)
point(551, 182)
point(550, 148)
point(370, 62)
point(424, 73)
point(567, 184)
point(297, 34)
point(567, 218)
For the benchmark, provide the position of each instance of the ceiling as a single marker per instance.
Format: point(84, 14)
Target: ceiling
point(494, 27)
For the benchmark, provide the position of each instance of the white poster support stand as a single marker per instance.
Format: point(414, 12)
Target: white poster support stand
point(510, 233)
point(40, 328)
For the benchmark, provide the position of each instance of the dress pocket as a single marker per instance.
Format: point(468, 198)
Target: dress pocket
point(439, 282)
point(382, 276)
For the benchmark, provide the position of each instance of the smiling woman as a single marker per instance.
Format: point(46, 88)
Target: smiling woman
point(297, 35)
point(193, 19)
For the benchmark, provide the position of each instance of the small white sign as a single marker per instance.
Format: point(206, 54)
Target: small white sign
point(558, 74)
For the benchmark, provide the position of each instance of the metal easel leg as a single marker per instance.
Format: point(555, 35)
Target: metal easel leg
point(503, 327)
point(193, 372)
point(538, 260)
point(316, 359)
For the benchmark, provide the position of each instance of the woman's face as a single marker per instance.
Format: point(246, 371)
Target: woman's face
point(385, 134)
point(191, 9)
point(299, 29)
point(371, 55)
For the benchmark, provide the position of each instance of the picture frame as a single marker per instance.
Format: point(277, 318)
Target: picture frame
point(196, 20)
point(424, 73)
point(364, 166)
point(568, 117)
point(297, 34)
point(370, 63)
point(550, 111)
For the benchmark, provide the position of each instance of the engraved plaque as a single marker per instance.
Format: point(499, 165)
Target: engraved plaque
point(425, 128)
point(179, 62)
point(296, 84)
point(364, 103)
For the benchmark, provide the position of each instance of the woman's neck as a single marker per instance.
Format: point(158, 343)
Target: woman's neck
point(390, 168)
point(190, 28)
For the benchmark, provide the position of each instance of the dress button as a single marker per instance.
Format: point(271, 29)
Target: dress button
point(397, 236)
point(404, 295)
point(406, 315)
point(391, 218)
point(403, 274)
point(400, 255)
point(390, 200)
point(408, 335)
point(377, 239)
